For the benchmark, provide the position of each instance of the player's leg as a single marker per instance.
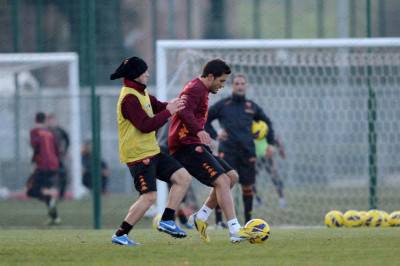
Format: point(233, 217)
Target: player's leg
point(62, 180)
point(182, 213)
point(211, 202)
point(278, 183)
point(50, 188)
point(143, 174)
point(247, 174)
point(39, 186)
point(169, 170)
point(259, 165)
point(207, 169)
point(228, 158)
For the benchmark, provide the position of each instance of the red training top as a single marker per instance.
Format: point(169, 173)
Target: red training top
point(45, 153)
point(188, 122)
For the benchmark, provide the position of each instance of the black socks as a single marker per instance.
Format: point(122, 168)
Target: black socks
point(169, 214)
point(124, 228)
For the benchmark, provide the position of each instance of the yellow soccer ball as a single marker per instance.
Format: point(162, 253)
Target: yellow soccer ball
point(385, 219)
point(394, 218)
point(156, 221)
point(364, 216)
point(259, 129)
point(375, 218)
point(352, 218)
point(259, 226)
point(334, 219)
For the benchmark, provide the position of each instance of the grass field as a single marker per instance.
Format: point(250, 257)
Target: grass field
point(304, 208)
point(310, 246)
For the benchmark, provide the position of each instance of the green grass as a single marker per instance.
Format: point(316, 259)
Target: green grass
point(313, 246)
point(306, 206)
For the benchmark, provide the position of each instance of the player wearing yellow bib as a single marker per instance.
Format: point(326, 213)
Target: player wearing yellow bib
point(139, 115)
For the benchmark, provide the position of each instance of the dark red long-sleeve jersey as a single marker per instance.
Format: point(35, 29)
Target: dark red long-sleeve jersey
point(133, 111)
point(188, 122)
point(45, 153)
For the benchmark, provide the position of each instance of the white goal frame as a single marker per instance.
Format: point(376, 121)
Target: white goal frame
point(164, 45)
point(30, 61)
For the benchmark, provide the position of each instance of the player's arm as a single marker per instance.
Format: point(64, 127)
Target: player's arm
point(56, 148)
point(133, 111)
point(213, 113)
point(260, 115)
point(65, 137)
point(35, 139)
point(157, 105)
point(35, 142)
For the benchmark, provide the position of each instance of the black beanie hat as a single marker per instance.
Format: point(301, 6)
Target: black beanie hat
point(130, 68)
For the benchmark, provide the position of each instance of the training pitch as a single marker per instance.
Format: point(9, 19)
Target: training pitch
point(297, 246)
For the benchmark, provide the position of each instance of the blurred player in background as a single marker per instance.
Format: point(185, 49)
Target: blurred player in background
point(86, 153)
point(62, 141)
point(189, 143)
point(139, 115)
point(42, 183)
point(236, 146)
point(265, 160)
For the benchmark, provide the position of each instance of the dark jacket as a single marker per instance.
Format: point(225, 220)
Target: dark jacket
point(236, 115)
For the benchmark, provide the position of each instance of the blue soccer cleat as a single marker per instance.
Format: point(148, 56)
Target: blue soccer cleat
point(171, 228)
point(123, 241)
point(188, 226)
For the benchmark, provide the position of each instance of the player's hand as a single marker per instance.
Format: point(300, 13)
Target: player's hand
point(175, 105)
point(222, 135)
point(204, 137)
point(269, 152)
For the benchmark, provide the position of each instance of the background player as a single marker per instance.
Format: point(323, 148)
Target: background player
point(236, 115)
point(42, 183)
point(139, 115)
point(62, 141)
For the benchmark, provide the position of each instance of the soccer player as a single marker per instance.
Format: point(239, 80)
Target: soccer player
point(62, 141)
point(41, 184)
point(236, 114)
point(139, 115)
point(188, 143)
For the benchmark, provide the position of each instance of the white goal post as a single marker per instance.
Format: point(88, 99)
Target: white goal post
point(316, 92)
point(16, 63)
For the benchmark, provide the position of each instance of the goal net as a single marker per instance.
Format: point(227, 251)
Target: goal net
point(29, 83)
point(333, 103)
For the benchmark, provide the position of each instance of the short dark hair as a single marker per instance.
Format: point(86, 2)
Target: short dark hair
point(216, 67)
point(40, 117)
point(239, 75)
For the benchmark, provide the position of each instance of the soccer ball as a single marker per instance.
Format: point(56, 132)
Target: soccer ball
point(259, 226)
point(352, 218)
point(385, 219)
point(394, 218)
point(334, 219)
point(259, 129)
point(364, 216)
point(375, 218)
point(156, 221)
